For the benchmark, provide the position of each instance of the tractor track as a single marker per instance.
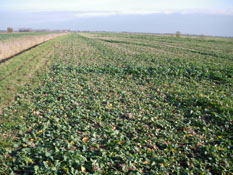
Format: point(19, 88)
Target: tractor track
point(19, 53)
point(22, 65)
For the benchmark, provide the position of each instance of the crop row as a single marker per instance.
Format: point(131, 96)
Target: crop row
point(19, 70)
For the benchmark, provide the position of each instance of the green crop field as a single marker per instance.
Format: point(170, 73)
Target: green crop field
point(112, 103)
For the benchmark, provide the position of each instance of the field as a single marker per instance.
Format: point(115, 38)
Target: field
point(17, 71)
point(17, 43)
point(7, 36)
point(112, 103)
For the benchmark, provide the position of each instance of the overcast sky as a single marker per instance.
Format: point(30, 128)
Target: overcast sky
point(210, 17)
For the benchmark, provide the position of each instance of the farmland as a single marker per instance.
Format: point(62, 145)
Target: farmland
point(8, 36)
point(112, 103)
point(18, 42)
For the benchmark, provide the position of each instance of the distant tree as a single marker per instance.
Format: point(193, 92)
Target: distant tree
point(178, 34)
point(10, 29)
point(202, 37)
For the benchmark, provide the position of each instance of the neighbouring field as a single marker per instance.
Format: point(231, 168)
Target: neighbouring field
point(110, 103)
point(21, 42)
point(7, 36)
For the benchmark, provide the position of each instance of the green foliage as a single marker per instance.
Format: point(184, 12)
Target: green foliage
point(145, 105)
